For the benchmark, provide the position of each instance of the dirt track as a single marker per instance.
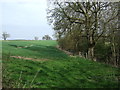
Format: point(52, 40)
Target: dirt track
point(25, 58)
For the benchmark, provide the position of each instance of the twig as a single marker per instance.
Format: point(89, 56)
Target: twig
point(34, 78)
point(20, 79)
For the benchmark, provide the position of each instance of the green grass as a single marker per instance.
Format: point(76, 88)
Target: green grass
point(40, 49)
point(59, 71)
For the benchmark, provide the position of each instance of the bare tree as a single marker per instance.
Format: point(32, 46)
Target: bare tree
point(5, 35)
point(46, 37)
point(36, 38)
point(90, 17)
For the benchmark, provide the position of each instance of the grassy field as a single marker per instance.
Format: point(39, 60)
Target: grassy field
point(41, 65)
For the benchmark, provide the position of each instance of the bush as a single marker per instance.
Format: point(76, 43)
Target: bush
point(103, 51)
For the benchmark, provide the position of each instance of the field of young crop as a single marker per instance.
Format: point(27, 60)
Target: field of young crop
point(39, 64)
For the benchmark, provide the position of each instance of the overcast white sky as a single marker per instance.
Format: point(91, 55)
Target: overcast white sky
point(24, 19)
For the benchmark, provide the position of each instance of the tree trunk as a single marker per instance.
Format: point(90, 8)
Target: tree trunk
point(4, 38)
point(118, 60)
point(91, 49)
point(114, 58)
point(91, 53)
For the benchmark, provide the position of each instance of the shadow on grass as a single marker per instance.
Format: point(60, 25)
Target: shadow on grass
point(48, 52)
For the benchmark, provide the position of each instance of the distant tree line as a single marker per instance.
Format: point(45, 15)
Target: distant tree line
point(88, 29)
point(45, 37)
point(5, 35)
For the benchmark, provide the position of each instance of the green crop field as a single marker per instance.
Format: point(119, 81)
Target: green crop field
point(39, 64)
